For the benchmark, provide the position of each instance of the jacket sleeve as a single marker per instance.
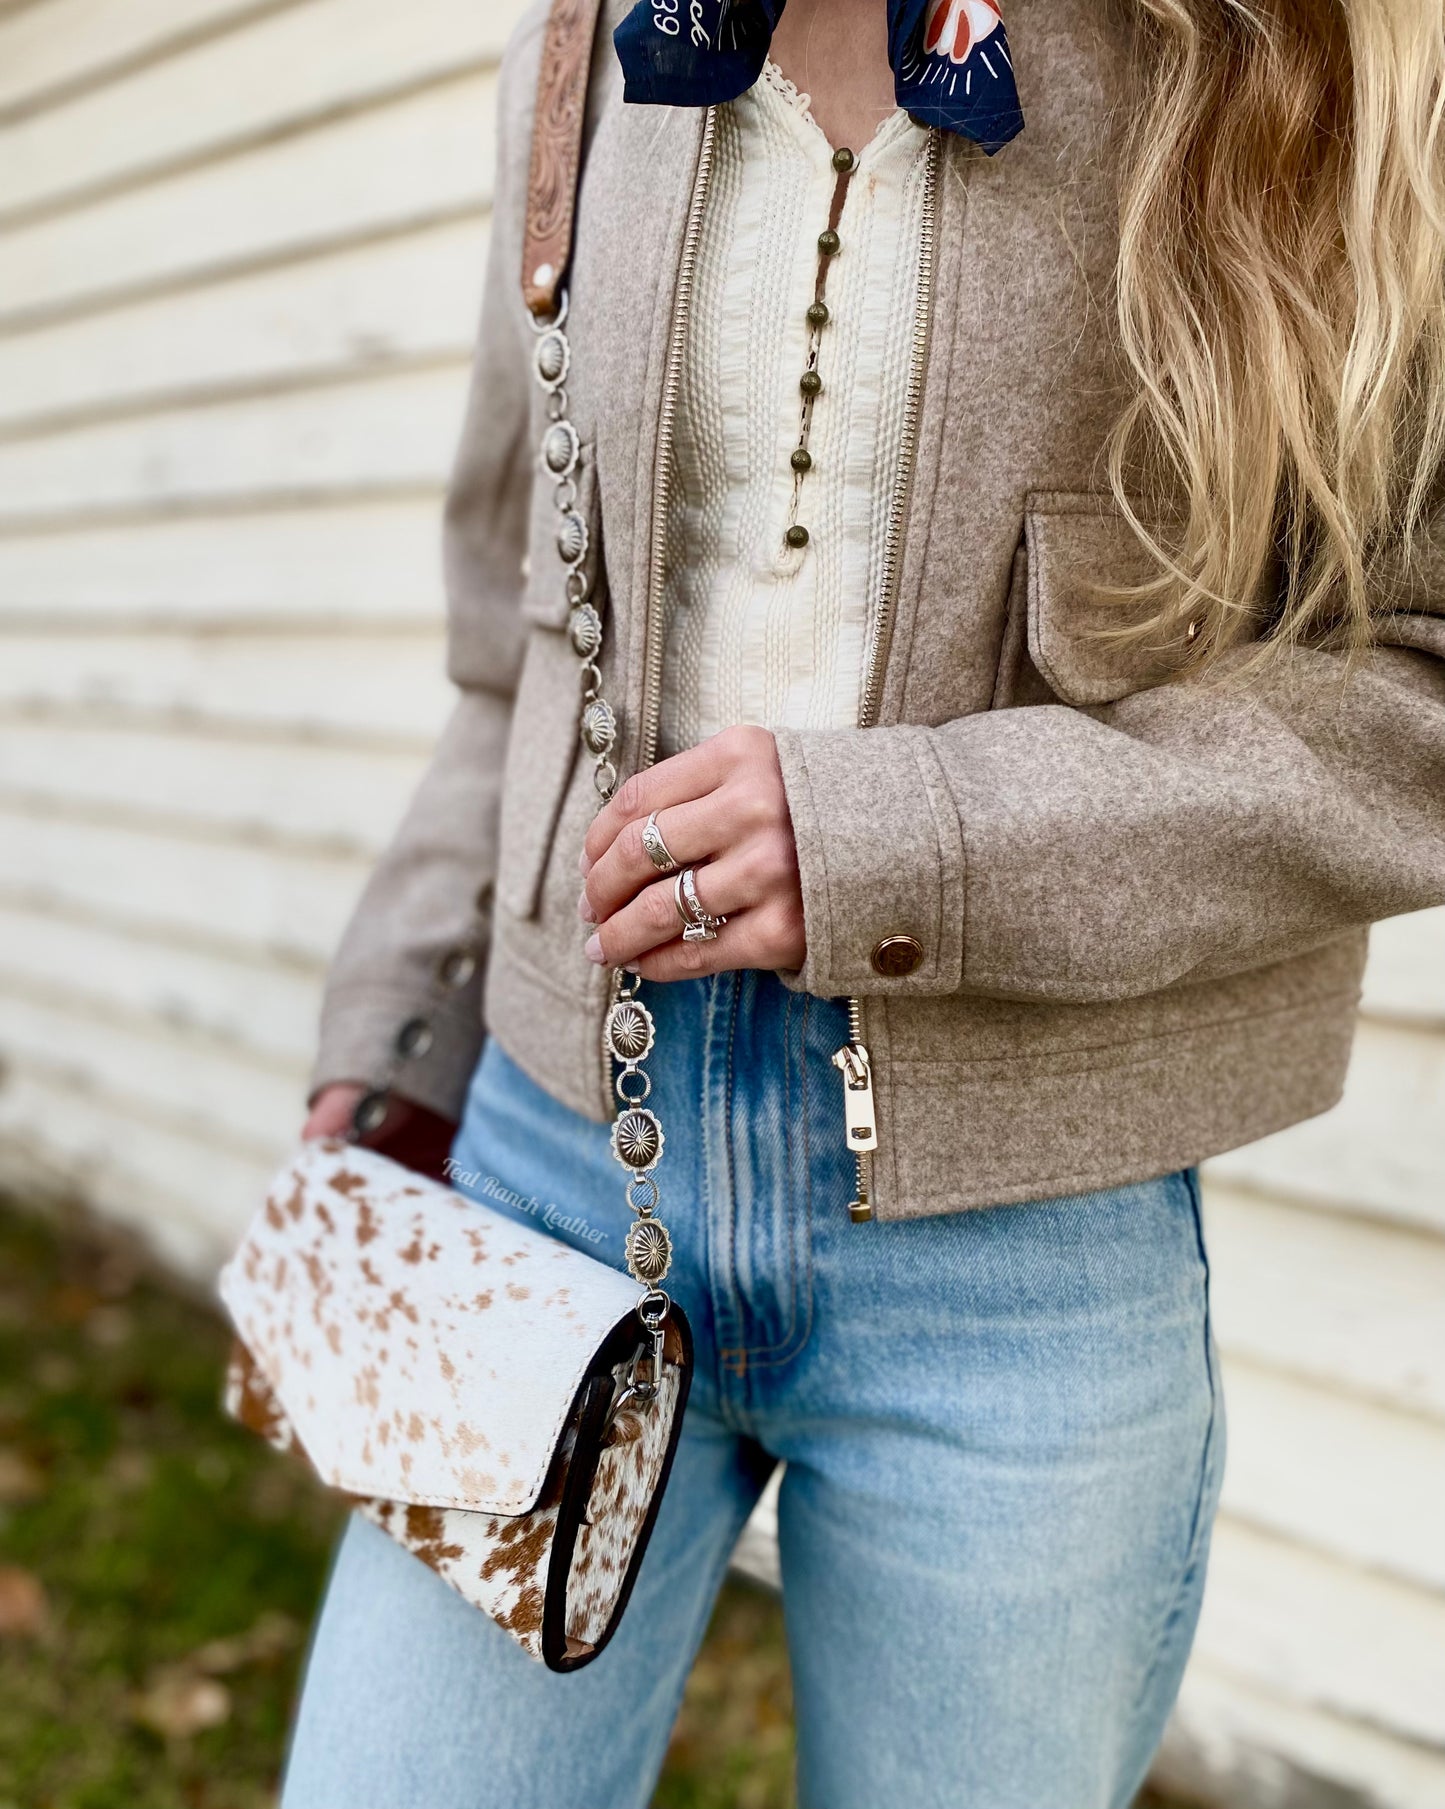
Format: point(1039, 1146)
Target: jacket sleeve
point(1185, 832)
point(424, 894)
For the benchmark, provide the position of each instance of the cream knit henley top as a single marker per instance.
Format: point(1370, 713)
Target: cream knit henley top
point(758, 631)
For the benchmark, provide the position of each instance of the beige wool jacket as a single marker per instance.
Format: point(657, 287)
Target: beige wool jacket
point(1141, 904)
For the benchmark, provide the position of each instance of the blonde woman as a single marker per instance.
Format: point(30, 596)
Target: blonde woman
point(1006, 463)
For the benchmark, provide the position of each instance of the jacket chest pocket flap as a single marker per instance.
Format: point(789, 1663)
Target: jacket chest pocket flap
point(1075, 543)
point(544, 742)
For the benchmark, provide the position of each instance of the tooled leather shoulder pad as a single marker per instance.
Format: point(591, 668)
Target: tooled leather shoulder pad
point(556, 150)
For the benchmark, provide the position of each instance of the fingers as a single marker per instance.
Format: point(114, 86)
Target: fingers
point(694, 832)
point(762, 936)
point(330, 1115)
point(652, 919)
point(679, 960)
point(678, 780)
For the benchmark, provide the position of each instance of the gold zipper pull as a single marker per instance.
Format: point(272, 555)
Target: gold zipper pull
point(853, 1064)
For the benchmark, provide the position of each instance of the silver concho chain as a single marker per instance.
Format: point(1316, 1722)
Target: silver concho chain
point(629, 1030)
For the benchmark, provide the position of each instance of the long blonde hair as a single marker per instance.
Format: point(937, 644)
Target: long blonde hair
point(1281, 299)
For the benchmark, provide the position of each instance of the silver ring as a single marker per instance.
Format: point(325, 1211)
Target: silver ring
point(699, 924)
point(656, 848)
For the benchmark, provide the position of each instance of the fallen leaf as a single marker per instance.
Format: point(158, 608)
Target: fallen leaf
point(108, 1327)
point(116, 1273)
point(20, 1481)
point(271, 1637)
point(177, 1703)
point(71, 1304)
point(55, 1372)
point(129, 1469)
point(23, 1607)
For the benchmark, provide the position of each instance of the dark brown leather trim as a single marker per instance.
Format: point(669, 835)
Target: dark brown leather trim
point(558, 1652)
point(556, 151)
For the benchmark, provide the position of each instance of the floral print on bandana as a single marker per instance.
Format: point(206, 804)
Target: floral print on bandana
point(952, 66)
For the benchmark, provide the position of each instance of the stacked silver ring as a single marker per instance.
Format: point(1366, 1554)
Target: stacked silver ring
point(655, 848)
point(698, 923)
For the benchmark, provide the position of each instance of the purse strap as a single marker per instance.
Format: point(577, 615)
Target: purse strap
point(629, 1030)
point(556, 166)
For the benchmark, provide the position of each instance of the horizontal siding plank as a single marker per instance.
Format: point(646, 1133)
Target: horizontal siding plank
point(1405, 978)
point(416, 160)
point(259, 901)
point(375, 689)
point(1379, 1150)
point(190, 1196)
point(64, 44)
point(1325, 1635)
point(347, 564)
point(1348, 1478)
point(1234, 1744)
point(1347, 1304)
point(295, 67)
point(395, 431)
point(205, 1088)
point(316, 796)
point(402, 299)
point(264, 1007)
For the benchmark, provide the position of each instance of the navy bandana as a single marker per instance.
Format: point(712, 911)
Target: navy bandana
point(951, 64)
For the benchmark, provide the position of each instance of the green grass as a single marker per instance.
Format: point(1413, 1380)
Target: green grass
point(154, 1529)
point(158, 1566)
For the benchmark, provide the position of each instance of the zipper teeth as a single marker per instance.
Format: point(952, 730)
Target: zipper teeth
point(897, 510)
point(893, 539)
point(863, 1159)
point(662, 470)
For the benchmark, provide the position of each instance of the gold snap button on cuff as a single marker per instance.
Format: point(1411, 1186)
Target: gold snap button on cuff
point(897, 955)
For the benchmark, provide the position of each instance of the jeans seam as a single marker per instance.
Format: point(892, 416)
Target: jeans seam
point(720, 1571)
point(720, 1285)
point(734, 1360)
point(769, 1356)
point(1195, 1542)
point(773, 1356)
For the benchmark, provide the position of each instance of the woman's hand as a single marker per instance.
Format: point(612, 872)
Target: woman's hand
point(411, 1134)
point(721, 809)
point(331, 1114)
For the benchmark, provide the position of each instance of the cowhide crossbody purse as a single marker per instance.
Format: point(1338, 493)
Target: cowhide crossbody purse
point(503, 1405)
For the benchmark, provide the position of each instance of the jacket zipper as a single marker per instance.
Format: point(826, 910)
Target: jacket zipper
point(852, 1060)
point(662, 463)
point(859, 1113)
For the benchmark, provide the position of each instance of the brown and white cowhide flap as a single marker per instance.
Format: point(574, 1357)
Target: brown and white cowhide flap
point(424, 1349)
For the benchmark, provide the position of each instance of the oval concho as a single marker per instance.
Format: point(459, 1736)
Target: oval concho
point(637, 1138)
point(629, 1031)
point(599, 727)
point(553, 359)
point(585, 628)
point(649, 1251)
point(572, 538)
point(561, 448)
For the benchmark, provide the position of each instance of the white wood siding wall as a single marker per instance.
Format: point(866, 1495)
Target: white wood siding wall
point(240, 250)
point(241, 245)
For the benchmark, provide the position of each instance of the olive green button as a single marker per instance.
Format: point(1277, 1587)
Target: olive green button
point(829, 243)
point(844, 160)
point(818, 315)
point(896, 956)
point(796, 536)
point(802, 459)
point(810, 383)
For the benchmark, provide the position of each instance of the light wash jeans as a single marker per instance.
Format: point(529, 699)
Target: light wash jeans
point(1003, 1437)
